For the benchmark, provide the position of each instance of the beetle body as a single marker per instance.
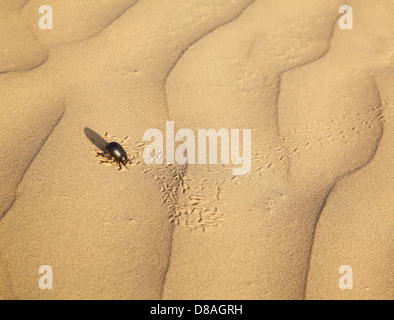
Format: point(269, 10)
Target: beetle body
point(118, 153)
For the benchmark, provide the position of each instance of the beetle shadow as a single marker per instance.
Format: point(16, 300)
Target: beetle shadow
point(96, 139)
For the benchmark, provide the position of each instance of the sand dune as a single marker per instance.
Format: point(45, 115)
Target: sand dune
point(319, 102)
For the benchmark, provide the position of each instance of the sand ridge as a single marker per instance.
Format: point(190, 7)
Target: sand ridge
point(316, 98)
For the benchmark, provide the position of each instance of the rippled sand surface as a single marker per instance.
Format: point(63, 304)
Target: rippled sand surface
point(319, 101)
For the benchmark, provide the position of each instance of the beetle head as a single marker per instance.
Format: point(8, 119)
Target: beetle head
point(124, 159)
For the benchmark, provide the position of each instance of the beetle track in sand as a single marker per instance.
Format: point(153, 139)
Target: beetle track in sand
point(197, 207)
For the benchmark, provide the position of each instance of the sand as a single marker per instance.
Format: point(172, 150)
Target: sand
point(319, 101)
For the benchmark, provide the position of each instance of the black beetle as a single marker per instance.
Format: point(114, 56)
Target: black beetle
point(117, 151)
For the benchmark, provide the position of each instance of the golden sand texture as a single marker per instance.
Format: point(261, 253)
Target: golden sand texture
point(319, 101)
